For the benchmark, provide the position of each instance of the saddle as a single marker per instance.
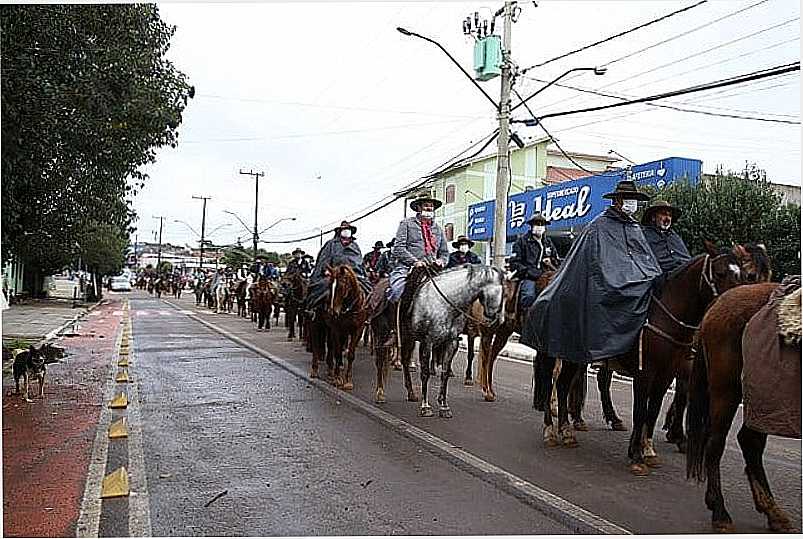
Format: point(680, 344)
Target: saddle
point(789, 321)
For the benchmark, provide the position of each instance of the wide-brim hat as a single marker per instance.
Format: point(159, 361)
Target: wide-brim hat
point(420, 199)
point(379, 245)
point(660, 205)
point(462, 239)
point(627, 189)
point(538, 217)
point(345, 224)
point(390, 243)
point(298, 250)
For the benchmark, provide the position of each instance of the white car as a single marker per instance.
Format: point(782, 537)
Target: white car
point(121, 283)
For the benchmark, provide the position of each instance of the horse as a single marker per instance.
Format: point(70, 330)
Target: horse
point(716, 386)
point(435, 310)
point(262, 304)
point(241, 295)
point(340, 325)
point(296, 285)
point(655, 358)
point(198, 288)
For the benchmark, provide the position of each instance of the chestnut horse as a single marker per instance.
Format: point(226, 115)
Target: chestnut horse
point(338, 325)
point(262, 303)
point(716, 387)
point(295, 292)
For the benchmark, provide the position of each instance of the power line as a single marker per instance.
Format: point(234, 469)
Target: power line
point(620, 34)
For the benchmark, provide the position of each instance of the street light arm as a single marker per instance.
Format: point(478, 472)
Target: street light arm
point(596, 70)
point(475, 83)
point(250, 231)
point(187, 225)
point(276, 223)
point(224, 225)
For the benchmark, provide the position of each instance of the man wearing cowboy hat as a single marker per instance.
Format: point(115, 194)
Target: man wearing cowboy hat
point(341, 249)
point(597, 303)
point(371, 261)
point(463, 255)
point(385, 263)
point(532, 253)
point(666, 244)
point(419, 240)
point(298, 264)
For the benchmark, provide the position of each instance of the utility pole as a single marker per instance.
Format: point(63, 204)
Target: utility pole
point(502, 156)
point(256, 176)
point(159, 251)
point(203, 228)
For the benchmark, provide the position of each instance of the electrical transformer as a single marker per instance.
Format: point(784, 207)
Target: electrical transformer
point(488, 57)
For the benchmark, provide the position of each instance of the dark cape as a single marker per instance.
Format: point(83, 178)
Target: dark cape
point(595, 306)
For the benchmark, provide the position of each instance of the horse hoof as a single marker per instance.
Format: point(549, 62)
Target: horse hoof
point(348, 386)
point(550, 439)
point(397, 367)
point(468, 382)
point(652, 462)
point(379, 398)
point(313, 374)
point(618, 425)
point(412, 397)
point(724, 527)
point(580, 425)
point(488, 396)
point(682, 447)
point(426, 412)
point(445, 413)
point(639, 469)
point(781, 525)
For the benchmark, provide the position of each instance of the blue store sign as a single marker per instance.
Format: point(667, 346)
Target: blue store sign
point(577, 202)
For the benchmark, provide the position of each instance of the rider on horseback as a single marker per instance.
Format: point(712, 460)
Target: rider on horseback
point(385, 264)
point(463, 255)
point(531, 253)
point(666, 244)
point(298, 264)
point(371, 261)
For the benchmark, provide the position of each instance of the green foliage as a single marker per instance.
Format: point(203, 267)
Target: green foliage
point(738, 207)
point(87, 97)
point(102, 248)
point(236, 256)
point(165, 267)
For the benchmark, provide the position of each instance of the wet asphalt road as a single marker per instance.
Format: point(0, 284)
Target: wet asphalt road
point(292, 460)
point(506, 433)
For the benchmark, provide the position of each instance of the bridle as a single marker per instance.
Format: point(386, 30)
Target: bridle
point(485, 322)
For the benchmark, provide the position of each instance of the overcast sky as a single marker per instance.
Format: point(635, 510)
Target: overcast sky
point(339, 109)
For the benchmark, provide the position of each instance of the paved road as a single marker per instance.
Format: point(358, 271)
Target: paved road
point(593, 476)
point(292, 460)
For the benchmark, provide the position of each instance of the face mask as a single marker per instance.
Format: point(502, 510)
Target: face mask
point(427, 214)
point(665, 226)
point(539, 230)
point(346, 233)
point(298, 257)
point(630, 206)
point(463, 248)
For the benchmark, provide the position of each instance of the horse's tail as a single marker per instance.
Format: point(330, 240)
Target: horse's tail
point(698, 421)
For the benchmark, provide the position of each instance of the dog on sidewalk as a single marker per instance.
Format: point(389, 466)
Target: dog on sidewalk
point(29, 364)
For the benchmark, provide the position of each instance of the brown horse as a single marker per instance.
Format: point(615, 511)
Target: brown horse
point(716, 387)
point(340, 325)
point(262, 303)
point(295, 291)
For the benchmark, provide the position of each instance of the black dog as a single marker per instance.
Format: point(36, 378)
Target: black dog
point(27, 364)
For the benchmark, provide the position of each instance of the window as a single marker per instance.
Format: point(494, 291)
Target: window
point(449, 194)
point(449, 231)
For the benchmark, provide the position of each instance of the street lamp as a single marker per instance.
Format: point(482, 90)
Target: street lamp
point(250, 232)
point(599, 70)
point(276, 223)
point(614, 152)
point(187, 225)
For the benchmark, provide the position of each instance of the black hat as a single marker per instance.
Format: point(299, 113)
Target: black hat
point(390, 243)
point(345, 224)
point(538, 217)
point(298, 250)
point(646, 219)
point(379, 245)
point(462, 239)
point(627, 189)
point(420, 199)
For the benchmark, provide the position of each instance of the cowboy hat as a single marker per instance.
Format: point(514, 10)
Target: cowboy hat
point(379, 245)
point(462, 239)
point(627, 190)
point(345, 224)
point(420, 199)
point(298, 250)
point(538, 217)
point(660, 205)
point(390, 243)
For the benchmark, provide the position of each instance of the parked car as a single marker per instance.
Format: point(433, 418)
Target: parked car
point(121, 283)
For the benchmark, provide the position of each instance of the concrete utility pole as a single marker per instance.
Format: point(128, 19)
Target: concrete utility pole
point(159, 251)
point(256, 176)
point(203, 229)
point(502, 156)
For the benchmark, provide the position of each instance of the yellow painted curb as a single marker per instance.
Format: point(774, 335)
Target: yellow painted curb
point(122, 376)
point(120, 401)
point(123, 362)
point(115, 484)
point(118, 429)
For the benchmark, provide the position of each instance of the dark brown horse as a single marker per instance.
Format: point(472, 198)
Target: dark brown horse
point(338, 326)
point(716, 387)
point(263, 303)
point(295, 291)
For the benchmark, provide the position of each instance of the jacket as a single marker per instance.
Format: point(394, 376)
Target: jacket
point(334, 253)
point(408, 248)
point(458, 259)
point(667, 246)
point(529, 254)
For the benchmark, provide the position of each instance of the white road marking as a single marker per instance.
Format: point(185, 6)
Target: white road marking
point(94, 313)
point(117, 313)
point(139, 513)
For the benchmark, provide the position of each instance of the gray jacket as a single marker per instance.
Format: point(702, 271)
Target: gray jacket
point(409, 245)
point(334, 252)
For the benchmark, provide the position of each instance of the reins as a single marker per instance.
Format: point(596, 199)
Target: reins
point(484, 323)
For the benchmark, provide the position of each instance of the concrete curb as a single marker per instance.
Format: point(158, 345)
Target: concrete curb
point(575, 517)
point(53, 334)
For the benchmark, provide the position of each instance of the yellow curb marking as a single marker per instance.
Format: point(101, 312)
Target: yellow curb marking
point(120, 401)
point(123, 362)
point(115, 484)
point(122, 376)
point(118, 429)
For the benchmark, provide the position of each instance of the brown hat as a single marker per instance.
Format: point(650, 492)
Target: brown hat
point(627, 189)
point(462, 240)
point(420, 199)
point(345, 224)
point(646, 219)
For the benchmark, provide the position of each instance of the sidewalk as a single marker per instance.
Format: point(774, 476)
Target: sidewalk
point(512, 350)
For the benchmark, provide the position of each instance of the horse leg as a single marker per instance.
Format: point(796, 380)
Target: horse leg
point(469, 379)
point(445, 354)
point(380, 361)
point(567, 373)
point(317, 345)
point(721, 417)
point(486, 337)
point(577, 398)
point(406, 352)
point(267, 317)
point(499, 341)
point(635, 449)
point(674, 417)
point(752, 444)
point(290, 319)
point(542, 386)
point(425, 359)
point(604, 379)
point(656, 398)
point(351, 347)
point(331, 365)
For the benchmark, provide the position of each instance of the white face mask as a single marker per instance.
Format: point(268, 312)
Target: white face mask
point(427, 214)
point(630, 206)
point(345, 233)
point(298, 257)
point(463, 248)
point(665, 226)
point(539, 230)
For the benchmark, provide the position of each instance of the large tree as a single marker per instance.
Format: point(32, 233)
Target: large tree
point(87, 98)
point(102, 248)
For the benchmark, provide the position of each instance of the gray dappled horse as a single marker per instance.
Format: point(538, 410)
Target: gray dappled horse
point(435, 308)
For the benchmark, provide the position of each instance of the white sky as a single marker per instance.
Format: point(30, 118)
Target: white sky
point(305, 90)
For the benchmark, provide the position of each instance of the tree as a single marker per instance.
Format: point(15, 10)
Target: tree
point(87, 98)
point(738, 207)
point(102, 249)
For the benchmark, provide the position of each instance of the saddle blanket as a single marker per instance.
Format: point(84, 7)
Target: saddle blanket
point(772, 365)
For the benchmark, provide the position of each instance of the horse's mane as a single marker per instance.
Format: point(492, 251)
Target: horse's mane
point(759, 256)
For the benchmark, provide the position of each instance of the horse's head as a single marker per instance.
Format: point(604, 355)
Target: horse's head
point(345, 289)
point(754, 262)
point(492, 296)
point(721, 270)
